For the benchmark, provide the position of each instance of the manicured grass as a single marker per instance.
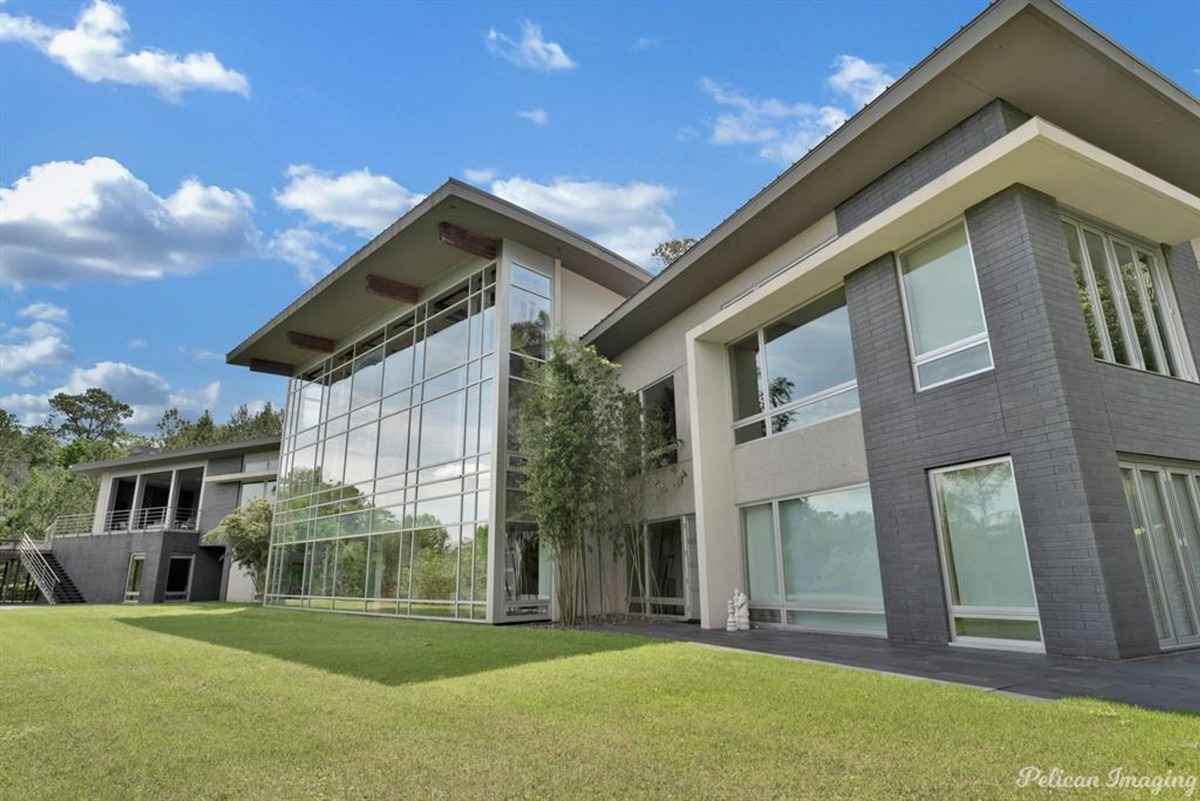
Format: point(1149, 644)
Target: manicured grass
point(218, 701)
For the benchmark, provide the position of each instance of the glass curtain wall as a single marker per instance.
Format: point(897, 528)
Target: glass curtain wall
point(527, 565)
point(383, 499)
point(813, 562)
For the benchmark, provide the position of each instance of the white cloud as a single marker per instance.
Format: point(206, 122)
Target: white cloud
point(859, 80)
point(480, 175)
point(42, 343)
point(646, 43)
point(538, 116)
point(305, 249)
point(200, 354)
point(28, 380)
point(358, 200)
point(784, 131)
point(95, 50)
point(67, 220)
point(46, 312)
point(628, 218)
point(531, 52)
point(137, 343)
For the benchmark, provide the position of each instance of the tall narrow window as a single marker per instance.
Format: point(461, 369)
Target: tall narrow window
point(947, 334)
point(133, 578)
point(1128, 303)
point(658, 405)
point(984, 553)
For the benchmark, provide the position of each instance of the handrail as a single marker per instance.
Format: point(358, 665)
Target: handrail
point(149, 518)
point(36, 565)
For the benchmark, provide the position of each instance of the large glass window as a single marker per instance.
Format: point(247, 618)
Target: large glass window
point(821, 550)
point(984, 553)
point(527, 569)
point(1164, 503)
point(800, 368)
point(1128, 303)
point(947, 334)
point(385, 467)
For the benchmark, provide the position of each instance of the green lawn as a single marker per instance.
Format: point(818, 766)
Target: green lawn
point(219, 701)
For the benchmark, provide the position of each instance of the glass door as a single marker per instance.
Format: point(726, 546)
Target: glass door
point(133, 578)
point(1164, 503)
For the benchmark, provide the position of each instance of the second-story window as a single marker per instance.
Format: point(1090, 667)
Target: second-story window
point(795, 371)
point(658, 405)
point(947, 335)
point(1127, 300)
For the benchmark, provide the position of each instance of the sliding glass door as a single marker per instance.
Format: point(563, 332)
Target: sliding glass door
point(1164, 502)
point(985, 560)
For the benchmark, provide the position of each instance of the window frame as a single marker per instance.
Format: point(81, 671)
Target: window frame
point(134, 596)
point(981, 612)
point(918, 361)
point(761, 365)
point(186, 595)
point(783, 606)
point(669, 452)
point(1165, 295)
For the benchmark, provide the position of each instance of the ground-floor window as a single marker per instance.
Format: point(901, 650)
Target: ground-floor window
point(812, 561)
point(1164, 502)
point(133, 578)
point(179, 578)
point(658, 574)
point(984, 555)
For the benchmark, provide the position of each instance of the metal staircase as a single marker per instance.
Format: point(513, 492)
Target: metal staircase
point(53, 582)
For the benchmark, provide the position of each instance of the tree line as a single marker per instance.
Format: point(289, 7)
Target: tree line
point(36, 481)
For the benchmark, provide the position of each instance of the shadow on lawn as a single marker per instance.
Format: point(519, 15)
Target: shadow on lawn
point(389, 651)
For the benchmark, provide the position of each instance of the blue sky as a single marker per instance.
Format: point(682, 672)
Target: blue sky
point(171, 175)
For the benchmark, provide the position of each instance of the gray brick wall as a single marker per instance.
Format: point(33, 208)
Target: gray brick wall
point(1039, 405)
point(951, 148)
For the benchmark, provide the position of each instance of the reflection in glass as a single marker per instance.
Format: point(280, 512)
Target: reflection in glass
point(984, 543)
point(747, 400)
point(1108, 301)
point(809, 351)
point(940, 291)
point(1090, 316)
point(762, 572)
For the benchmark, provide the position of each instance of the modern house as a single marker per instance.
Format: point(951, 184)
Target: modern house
point(937, 382)
point(143, 541)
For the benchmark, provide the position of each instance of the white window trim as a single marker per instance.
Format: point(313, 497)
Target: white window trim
point(1164, 294)
point(1163, 471)
point(762, 367)
point(125, 591)
point(784, 605)
point(921, 359)
point(993, 613)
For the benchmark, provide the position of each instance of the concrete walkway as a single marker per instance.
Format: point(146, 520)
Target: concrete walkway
point(1167, 682)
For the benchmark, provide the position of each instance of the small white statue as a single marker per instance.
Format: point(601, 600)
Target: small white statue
point(741, 606)
point(731, 620)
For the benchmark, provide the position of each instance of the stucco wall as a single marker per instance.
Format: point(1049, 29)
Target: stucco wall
point(582, 302)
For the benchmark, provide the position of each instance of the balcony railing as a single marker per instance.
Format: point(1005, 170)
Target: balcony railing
point(149, 518)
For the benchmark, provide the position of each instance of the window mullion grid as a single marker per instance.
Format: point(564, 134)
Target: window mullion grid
point(1121, 300)
point(1159, 347)
point(1154, 555)
point(763, 382)
point(1167, 492)
point(1094, 295)
point(777, 527)
point(1163, 286)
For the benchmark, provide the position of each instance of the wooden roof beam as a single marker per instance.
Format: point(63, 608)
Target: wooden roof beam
point(311, 342)
point(268, 366)
point(395, 290)
point(473, 243)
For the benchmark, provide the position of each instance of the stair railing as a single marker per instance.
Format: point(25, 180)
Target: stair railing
point(36, 565)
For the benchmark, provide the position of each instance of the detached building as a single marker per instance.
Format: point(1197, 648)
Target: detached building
point(143, 543)
point(937, 382)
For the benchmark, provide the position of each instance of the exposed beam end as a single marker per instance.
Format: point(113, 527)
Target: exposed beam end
point(461, 238)
point(311, 342)
point(268, 366)
point(396, 290)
